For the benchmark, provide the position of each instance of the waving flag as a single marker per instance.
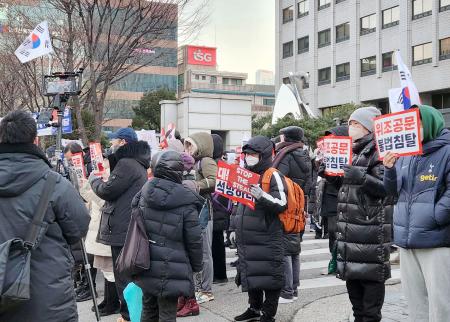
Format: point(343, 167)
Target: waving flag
point(409, 94)
point(37, 44)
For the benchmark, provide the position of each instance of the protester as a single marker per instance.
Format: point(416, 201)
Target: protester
point(201, 147)
point(129, 163)
point(23, 173)
point(364, 222)
point(170, 213)
point(260, 237)
point(327, 201)
point(222, 208)
point(293, 162)
point(82, 290)
point(422, 219)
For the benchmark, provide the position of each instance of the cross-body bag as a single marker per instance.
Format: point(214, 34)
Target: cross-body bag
point(15, 256)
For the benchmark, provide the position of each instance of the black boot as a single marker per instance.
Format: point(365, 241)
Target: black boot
point(112, 300)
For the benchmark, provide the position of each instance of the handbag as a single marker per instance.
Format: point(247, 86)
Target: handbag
point(15, 256)
point(134, 257)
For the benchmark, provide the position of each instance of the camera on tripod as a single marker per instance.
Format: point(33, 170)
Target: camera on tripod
point(63, 83)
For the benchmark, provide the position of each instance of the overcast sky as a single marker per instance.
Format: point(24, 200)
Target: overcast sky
point(243, 32)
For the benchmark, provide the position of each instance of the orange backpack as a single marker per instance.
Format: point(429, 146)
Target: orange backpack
point(293, 218)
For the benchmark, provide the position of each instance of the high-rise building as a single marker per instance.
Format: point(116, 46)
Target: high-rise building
point(347, 47)
point(264, 77)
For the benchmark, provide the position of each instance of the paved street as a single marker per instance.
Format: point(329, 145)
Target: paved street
point(322, 298)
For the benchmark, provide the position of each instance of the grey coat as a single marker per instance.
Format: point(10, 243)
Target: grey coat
point(21, 183)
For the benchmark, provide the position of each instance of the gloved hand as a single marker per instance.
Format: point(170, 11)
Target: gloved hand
point(93, 177)
point(256, 191)
point(354, 173)
point(233, 237)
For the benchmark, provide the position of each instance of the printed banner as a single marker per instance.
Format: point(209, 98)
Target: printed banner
point(234, 183)
point(148, 136)
point(44, 130)
point(77, 164)
point(337, 152)
point(37, 44)
point(399, 133)
point(95, 150)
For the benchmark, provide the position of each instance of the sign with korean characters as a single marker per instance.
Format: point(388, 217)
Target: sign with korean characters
point(77, 164)
point(95, 150)
point(398, 133)
point(234, 182)
point(336, 152)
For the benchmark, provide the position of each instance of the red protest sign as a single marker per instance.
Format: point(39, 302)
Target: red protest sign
point(77, 164)
point(95, 150)
point(337, 152)
point(398, 133)
point(234, 182)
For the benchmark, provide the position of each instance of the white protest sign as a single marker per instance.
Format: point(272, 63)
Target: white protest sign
point(337, 152)
point(77, 164)
point(398, 133)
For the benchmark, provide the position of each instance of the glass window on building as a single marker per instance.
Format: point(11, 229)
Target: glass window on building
point(444, 5)
point(302, 8)
point(324, 76)
point(324, 4)
point(288, 14)
point(225, 81)
point(440, 101)
point(422, 8)
point(388, 62)
point(444, 48)
point(197, 77)
point(342, 72)
point(239, 82)
point(269, 101)
point(303, 45)
point(368, 24)
point(324, 38)
point(288, 49)
point(203, 77)
point(422, 54)
point(368, 66)
point(343, 32)
point(391, 17)
point(213, 80)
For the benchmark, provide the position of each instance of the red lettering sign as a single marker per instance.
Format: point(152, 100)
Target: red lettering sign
point(234, 182)
point(205, 56)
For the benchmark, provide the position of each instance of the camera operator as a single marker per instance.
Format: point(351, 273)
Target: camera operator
point(23, 172)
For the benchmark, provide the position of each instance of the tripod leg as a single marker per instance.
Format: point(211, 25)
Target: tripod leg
point(87, 270)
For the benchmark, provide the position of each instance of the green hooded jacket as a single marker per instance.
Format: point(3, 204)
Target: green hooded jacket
point(432, 122)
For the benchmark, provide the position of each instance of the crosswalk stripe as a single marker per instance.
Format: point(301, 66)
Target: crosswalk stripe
point(309, 252)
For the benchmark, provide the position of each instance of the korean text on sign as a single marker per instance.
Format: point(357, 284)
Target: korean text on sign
point(337, 152)
point(234, 183)
point(398, 133)
point(96, 158)
point(77, 165)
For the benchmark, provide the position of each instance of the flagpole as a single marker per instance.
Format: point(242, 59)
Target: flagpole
point(50, 61)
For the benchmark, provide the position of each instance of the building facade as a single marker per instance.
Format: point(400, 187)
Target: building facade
point(264, 77)
point(198, 73)
point(347, 47)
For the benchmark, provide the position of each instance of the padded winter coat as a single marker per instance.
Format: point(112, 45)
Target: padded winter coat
point(422, 184)
point(364, 219)
point(170, 213)
point(22, 180)
point(128, 174)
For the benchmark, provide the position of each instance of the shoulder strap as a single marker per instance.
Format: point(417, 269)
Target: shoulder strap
point(283, 152)
point(267, 176)
point(41, 209)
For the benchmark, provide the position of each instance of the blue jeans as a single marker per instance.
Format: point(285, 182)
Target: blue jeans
point(292, 277)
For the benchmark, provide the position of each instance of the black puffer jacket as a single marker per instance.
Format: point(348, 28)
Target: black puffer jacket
point(296, 165)
point(364, 218)
point(128, 174)
point(259, 232)
point(23, 169)
point(171, 219)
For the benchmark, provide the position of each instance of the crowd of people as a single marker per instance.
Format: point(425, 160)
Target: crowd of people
point(405, 201)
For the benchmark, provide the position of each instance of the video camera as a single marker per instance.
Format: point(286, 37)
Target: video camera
point(62, 85)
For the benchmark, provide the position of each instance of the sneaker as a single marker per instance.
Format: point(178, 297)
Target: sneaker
point(203, 297)
point(85, 296)
point(190, 308)
point(265, 318)
point(282, 300)
point(249, 315)
point(295, 295)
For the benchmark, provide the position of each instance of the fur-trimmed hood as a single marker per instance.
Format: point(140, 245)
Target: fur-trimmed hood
point(139, 151)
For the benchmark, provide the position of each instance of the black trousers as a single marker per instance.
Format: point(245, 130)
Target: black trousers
point(269, 305)
point(155, 309)
point(367, 299)
point(331, 225)
point(121, 283)
point(218, 255)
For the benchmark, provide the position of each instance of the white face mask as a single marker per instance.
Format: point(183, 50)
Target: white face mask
point(251, 160)
point(356, 132)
